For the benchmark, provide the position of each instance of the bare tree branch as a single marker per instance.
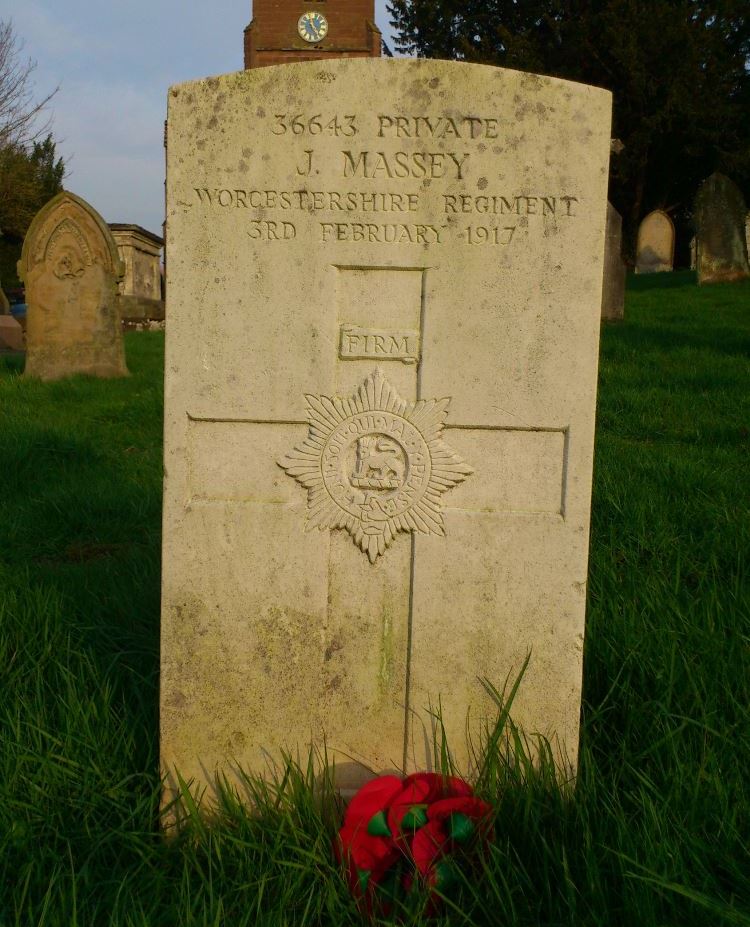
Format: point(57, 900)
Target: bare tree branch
point(22, 119)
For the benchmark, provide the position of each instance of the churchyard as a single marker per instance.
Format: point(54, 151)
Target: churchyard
point(408, 509)
point(656, 830)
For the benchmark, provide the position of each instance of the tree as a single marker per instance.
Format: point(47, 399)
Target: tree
point(678, 70)
point(30, 171)
point(20, 113)
point(28, 179)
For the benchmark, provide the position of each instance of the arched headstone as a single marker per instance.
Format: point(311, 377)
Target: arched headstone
point(720, 215)
point(655, 252)
point(345, 351)
point(71, 268)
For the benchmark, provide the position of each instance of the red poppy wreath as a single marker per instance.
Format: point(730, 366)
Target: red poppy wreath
point(402, 833)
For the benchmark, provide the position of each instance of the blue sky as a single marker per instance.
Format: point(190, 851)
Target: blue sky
point(113, 63)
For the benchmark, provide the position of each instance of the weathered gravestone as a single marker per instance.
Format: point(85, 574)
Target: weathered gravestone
point(655, 247)
point(71, 267)
point(380, 392)
point(11, 334)
point(720, 214)
point(613, 291)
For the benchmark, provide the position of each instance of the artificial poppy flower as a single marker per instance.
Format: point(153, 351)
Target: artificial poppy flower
point(408, 809)
point(375, 796)
point(428, 846)
point(461, 817)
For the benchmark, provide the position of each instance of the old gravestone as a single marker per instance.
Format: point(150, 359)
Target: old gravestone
point(613, 290)
point(721, 246)
point(380, 392)
point(655, 247)
point(71, 267)
point(11, 334)
point(4, 302)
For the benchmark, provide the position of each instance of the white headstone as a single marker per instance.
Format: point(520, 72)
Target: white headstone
point(380, 395)
point(655, 247)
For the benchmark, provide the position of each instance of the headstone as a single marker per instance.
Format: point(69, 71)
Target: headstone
point(140, 288)
point(380, 393)
point(720, 214)
point(11, 334)
point(613, 291)
point(4, 303)
point(71, 269)
point(655, 248)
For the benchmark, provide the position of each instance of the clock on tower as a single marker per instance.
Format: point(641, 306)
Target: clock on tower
point(305, 30)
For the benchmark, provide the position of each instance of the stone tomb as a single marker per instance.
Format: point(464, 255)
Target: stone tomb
point(140, 288)
point(380, 394)
point(613, 292)
point(655, 248)
point(71, 269)
point(721, 245)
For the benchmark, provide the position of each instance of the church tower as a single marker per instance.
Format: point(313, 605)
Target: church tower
point(282, 31)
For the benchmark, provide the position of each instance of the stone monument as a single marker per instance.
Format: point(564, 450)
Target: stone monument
point(380, 393)
point(11, 334)
point(613, 291)
point(655, 248)
point(721, 247)
point(71, 269)
point(140, 288)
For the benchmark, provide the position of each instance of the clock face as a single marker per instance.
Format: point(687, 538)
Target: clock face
point(312, 26)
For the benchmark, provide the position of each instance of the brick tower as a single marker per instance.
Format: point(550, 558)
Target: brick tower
point(307, 30)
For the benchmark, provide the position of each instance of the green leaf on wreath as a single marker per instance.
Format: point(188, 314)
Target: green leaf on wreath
point(446, 875)
point(414, 818)
point(378, 825)
point(460, 827)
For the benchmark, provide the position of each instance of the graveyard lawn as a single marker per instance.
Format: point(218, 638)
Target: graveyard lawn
point(656, 833)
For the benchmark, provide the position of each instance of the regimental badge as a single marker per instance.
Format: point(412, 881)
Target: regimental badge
point(375, 464)
point(312, 26)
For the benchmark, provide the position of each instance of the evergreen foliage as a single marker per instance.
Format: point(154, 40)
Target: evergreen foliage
point(679, 71)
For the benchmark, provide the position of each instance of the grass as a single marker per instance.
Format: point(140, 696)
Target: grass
point(658, 830)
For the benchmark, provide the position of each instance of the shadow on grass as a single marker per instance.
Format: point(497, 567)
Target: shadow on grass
point(723, 339)
point(637, 283)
